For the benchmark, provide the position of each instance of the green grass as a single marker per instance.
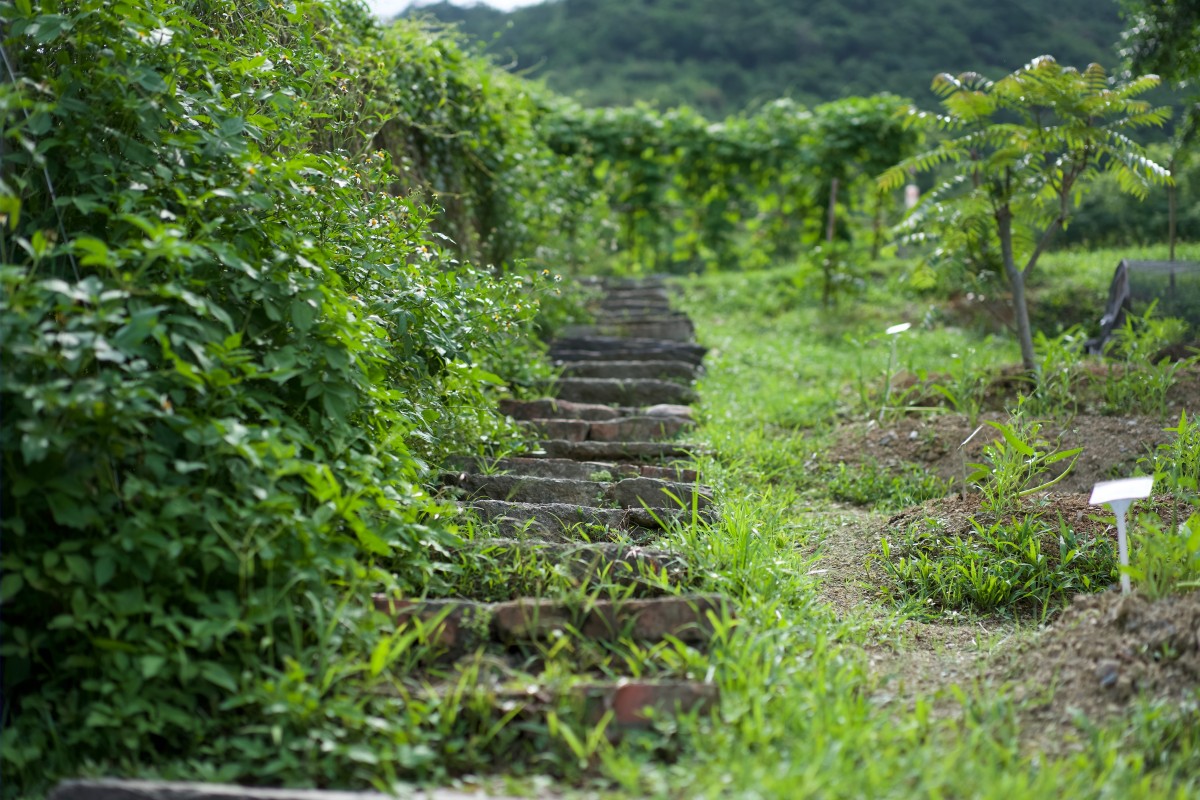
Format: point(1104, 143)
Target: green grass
point(798, 716)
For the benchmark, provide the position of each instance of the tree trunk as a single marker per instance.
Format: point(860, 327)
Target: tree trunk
point(877, 241)
point(1171, 210)
point(830, 264)
point(1016, 282)
point(831, 218)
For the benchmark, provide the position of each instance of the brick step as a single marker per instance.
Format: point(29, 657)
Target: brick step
point(572, 470)
point(631, 703)
point(614, 562)
point(638, 315)
point(562, 522)
point(553, 408)
point(603, 344)
point(612, 284)
point(635, 306)
point(660, 370)
point(617, 430)
point(680, 330)
point(628, 493)
point(636, 392)
point(463, 625)
point(619, 451)
point(565, 356)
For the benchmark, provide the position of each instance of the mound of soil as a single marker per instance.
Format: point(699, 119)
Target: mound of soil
point(1107, 649)
point(1111, 445)
point(1003, 387)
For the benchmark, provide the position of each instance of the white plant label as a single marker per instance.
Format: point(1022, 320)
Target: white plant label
point(1118, 495)
point(901, 328)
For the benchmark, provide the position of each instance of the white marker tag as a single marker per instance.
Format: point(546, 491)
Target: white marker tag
point(1128, 489)
point(901, 328)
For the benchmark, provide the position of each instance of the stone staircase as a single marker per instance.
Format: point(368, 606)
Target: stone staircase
point(605, 485)
point(595, 498)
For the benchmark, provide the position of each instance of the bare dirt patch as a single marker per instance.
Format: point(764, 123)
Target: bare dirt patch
point(1105, 651)
point(1111, 445)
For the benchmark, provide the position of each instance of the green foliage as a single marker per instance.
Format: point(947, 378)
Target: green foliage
point(1165, 559)
point(701, 53)
point(1021, 151)
point(1017, 464)
point(687, 193)
point(1023, 566)
point(228, 356)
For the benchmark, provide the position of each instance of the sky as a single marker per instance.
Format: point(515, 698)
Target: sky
point(390, 8)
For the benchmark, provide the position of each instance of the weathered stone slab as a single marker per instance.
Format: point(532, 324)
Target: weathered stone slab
point(550, 408)
point(571, 430)
point(528, 489)
point(632, 316)
point(641, 392)
point(680, 330)
point(597, 343)
point(678, 474)
point(658, 370)
point(550, 468)
point(667, 410)
point(618, 562)
point(638, 429)
point(618, 451)
point(563, 356)
point(654, 493)
point(559, 522)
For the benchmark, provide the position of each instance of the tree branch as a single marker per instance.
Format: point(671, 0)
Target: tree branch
point(1043, 243)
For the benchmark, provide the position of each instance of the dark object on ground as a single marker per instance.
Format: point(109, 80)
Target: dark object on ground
point(1136, 284)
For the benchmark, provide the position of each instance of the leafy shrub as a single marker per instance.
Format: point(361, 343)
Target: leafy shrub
point(1018, 463)
point(1165, 559)
point(1025, 566)
point(228, 356)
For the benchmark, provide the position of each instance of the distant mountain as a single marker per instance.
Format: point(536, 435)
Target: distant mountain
point(720, 55)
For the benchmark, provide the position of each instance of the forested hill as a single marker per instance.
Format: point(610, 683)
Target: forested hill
point(720, 56)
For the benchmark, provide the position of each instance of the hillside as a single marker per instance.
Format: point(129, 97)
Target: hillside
point(700, 53)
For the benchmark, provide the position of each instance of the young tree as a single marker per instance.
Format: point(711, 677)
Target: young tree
point(1024, 149)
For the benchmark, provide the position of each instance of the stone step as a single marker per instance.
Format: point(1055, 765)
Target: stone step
point(636, 307)
point(571, 470)
point(619, 451)
point(627, 493)
point(636, 392)
point(608, 343)
point(680, 330)
point(660, 370)
point(630, 704)
point(561, 522)
point(463, 625)
point(625, 315)
point(609, 349)
point(615, 562)
point(612, 284)
point(575, 356)
point(551, 408)
point(617, 430)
